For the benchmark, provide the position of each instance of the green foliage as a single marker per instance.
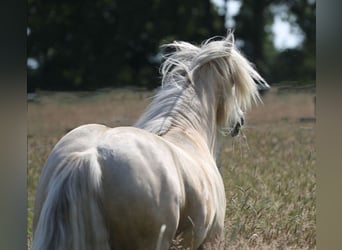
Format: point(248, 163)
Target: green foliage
point(103, 43)
point(92, 44)
point(294, 65)
point(253, 24)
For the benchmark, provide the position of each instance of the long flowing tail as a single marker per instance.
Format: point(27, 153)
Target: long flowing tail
point(71, 215)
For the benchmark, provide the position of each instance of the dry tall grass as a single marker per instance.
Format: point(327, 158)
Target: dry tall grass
point(269, 172)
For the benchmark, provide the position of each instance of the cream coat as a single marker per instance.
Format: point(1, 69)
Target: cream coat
point(140, 187)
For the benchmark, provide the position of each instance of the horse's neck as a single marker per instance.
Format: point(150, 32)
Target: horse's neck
point(183, 108)
point(198, 124)
point(190, 141)
point(207, 97)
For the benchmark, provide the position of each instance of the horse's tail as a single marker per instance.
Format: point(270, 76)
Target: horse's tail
point(71, 215)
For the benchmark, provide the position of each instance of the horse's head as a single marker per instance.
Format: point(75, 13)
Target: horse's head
point(224, 80)
point(237, 82)
point(237, 127)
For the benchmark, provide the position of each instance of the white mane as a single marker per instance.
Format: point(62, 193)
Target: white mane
point(216, 68)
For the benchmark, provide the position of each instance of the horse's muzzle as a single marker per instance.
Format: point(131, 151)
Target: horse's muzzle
point(237, 127)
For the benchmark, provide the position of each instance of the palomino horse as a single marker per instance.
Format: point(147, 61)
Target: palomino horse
point(140, 187)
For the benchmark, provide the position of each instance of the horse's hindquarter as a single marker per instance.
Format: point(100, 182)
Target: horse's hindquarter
point(149, 181)
point(141, 186)
point(76, 141)
point(140, 189)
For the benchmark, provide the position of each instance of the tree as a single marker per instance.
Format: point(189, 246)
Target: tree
point(253, 28)
point(92, 44)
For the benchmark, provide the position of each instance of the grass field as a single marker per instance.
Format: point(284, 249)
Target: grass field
point(269, 171)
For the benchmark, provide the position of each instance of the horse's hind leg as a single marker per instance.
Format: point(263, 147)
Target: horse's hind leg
point(140, 240)
point(214, 243)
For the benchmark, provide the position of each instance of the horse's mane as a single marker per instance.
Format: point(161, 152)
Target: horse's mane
point(188, 66)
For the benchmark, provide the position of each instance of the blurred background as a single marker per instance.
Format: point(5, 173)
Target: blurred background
point(113, 46)
point(87, 45)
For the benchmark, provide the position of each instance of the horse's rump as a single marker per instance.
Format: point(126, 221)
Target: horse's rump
point(69, 213)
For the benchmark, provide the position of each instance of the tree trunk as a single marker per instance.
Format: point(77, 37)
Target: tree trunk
point(259, 31)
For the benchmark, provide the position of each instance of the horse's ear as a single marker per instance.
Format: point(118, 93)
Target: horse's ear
point(230, 38)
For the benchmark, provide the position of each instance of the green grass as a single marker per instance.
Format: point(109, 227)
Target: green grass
point(269, 173)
